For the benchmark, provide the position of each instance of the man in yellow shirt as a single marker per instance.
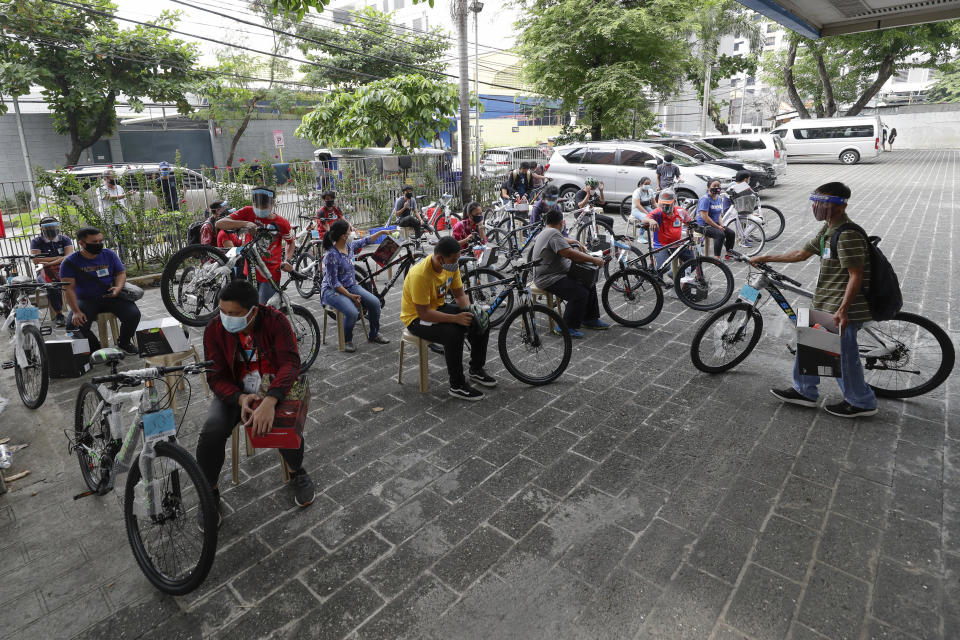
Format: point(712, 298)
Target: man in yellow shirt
point(426, 316)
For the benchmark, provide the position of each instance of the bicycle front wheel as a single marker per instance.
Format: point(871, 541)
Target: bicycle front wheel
point(773, 222)
point(750, 242)
point(704, 283)
point(626, 206)
point(726, 338)
point(529, 346)
point(905, 357)
point(307, 332)
point(175, 546)
point(632, 298)
point(590, 239)
point(310, 266)
point(93, 440)
point(483, 286)
point(34, 377)
point(191, 282)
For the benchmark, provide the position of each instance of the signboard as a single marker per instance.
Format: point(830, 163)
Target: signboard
point(277, 138)
point(516, 129)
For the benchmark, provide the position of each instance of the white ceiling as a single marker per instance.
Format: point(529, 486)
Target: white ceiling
point(817, 18)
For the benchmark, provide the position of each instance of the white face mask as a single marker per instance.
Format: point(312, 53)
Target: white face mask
point(235, 324)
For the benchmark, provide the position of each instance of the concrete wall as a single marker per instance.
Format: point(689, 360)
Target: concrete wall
point(258, 139)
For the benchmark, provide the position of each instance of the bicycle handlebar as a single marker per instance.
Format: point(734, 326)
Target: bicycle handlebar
point(762, 266)
point(152, 372)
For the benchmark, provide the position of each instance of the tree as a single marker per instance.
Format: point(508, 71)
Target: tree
point(296, 9)
point(851, 69)
point(408, 108)
point(365, 50)
point(947, 85)
point(83, 61)
point(602, 57)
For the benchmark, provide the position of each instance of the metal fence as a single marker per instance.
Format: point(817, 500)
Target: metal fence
point(152, 224)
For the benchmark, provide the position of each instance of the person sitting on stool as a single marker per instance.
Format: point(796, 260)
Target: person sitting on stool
point(49, 250)
point(94, 277)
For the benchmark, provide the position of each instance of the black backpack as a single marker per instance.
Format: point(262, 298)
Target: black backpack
point(194, 231)
point(883, 296)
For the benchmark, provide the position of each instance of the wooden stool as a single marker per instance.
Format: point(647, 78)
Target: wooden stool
point(175, 380)
point(633, 228)
point(421, 345)
point(406, 232)
point(333, 312)
point(103, 321)
point(552, 301)
point(240, 432)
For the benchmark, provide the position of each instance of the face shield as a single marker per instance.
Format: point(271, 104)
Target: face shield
point(50, 230)
point(262, 201)
point(823, 205)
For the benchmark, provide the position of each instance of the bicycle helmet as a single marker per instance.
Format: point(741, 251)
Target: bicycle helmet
point(592, 182)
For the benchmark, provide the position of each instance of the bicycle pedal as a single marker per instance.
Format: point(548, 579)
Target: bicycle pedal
point(8, 364)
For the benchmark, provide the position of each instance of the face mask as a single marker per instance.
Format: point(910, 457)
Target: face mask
point(715, 190)
point(551, 201)
point(453, 266)
point(93, 247)
point(261, 213)
point(234, 324)
point(111, 182)
point(51, 232)
point(666, 207)
point(477, 219)
point(328, 203)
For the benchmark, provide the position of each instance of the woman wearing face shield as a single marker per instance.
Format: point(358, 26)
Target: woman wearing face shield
point(49, 249)
point(261, 216)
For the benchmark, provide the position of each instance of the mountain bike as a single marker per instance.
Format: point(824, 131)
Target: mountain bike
point(512, 242)
point(191, 282)
point(307, 257)
point(902, 358)
point(702, 283)
point(438, 216)
point(408, 254)
point(740, 217)
point(534, 342)
point(483, 283)
point(770, 217)
point(168, 505)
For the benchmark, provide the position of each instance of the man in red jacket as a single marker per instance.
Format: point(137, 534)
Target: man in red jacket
point(246, 341)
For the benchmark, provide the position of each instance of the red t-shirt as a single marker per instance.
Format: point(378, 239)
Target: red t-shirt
point(275, 257)
point(248, 358)
point(670, 227)
point(324, 212)
point(237, 239)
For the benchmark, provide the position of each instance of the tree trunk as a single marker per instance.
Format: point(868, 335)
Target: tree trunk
point(829, 104)
point(242, 128)
point(792, 93)
point(818, 107)
point(466, 186)
point(596, 129)
point(883, 74)
point(104, 119)
point(718, 122)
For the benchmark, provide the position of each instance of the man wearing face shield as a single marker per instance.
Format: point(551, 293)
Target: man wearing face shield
point(281, 247)
point(839, 291)
point(49, 249)
point(424, 312)
point(666, 226)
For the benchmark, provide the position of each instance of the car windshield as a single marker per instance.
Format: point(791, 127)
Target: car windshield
point(710, 150)
point(679, 158)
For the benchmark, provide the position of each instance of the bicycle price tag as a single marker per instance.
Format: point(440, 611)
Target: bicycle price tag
point(159, 424)
point(749, 294)
point(25, 314)
point(315, 234)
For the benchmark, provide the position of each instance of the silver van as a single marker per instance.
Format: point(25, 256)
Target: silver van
point(762, 147)
point(848, 140)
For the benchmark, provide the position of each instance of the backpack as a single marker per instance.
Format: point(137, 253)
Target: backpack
point(883, 296)
point(194, 231)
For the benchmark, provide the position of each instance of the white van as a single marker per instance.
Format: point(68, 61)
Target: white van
point(762, 147)
point(849, 140)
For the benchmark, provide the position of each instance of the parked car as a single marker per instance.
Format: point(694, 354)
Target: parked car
point(848, 140)
point(620, 164)
point(500, 160)
point(762, 147)
point(761, 173)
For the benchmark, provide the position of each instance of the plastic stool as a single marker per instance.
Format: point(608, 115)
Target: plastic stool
point(421, 345)
point(333, 312)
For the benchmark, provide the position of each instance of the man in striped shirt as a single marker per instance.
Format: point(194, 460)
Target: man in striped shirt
point(839, 291)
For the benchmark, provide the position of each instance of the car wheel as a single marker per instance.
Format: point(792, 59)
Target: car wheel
point(849, 157)
point(566, 197)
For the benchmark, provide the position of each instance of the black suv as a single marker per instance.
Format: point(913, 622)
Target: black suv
point(761, 173)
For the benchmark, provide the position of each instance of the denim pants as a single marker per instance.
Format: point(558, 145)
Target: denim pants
point(265, 291)
point(345, 305)
point(855, 389)
point(661, 256)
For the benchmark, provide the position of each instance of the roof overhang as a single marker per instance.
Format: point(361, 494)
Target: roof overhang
point(819, 18)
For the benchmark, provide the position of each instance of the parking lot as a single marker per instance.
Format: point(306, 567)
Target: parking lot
point(634, 498)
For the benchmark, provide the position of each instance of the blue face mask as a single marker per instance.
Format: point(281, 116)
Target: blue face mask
point(261, 213)
point(550, 201)
point(233, 324)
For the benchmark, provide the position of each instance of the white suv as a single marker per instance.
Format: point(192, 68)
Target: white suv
point(620, 164)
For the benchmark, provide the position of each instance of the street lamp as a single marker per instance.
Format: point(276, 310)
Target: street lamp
point(476, 7)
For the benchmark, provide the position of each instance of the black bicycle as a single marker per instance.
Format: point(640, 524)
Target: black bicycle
point(902, 358)
point(407, 254)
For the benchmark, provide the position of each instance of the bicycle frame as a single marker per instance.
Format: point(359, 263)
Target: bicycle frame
point(675, 248)
point(403, 263)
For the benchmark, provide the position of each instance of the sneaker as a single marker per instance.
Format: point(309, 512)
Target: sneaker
point(597, 324)
point(303, 490)
point(482, 377)
point(128, 349)
point(216, 500)
point(846, 410)
point(793, 396)
point(378, 339)
point(573, 333)
point(436, 348)
point(348, 347)
point(466, 392)
point(59, 320)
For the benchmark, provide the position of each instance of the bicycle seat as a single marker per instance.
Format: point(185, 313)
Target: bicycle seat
point(107, 355)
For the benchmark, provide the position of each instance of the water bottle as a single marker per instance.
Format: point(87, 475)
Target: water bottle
point(141, 502)
point(6, 457)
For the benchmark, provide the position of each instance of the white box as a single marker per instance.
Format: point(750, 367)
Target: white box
point(818, 351)
point(160, 337)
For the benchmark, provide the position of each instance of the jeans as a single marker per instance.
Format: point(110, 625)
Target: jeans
point(127, 313)
point(639, 214)
point(265, 291)
point(222, 417)
point(661, 256)
point(855, 389)
point(452, 337)
point(581, 301)
point(345, 305)
point(410, 220)
point(54, 295)
point(726, 237)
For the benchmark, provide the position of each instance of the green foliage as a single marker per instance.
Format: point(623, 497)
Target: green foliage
point(83, 61)
point(406, 108)
point(296, 9)
point(603, 56)
point(947, 86)
point(380, 50)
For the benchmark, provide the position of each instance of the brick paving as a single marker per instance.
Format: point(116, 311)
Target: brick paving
point(633, 498)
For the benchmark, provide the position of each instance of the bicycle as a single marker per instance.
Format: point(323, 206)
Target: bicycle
point(532, 327)
point(481, 283)
point(702, 283)
point(412, 251)
point(892, 351)
point(307, 258)
point(746, 225)
point(191, 281)
point(30, 364)
point(771, 218)
point(166, 495)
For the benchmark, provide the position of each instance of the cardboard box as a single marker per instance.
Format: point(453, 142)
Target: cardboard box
point(160, 337)
point(68, 358)
point(818, 350)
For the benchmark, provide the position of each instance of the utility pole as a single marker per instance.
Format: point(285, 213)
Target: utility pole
point(743, 103)
point(459, 10)
point(24, 150)
point(706, 98)
point(476, 7)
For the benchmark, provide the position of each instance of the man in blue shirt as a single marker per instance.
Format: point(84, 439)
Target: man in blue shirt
point(94, 278)
point(710, 210)
point(407, 212)
point(167, 185)
point(49, 249)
